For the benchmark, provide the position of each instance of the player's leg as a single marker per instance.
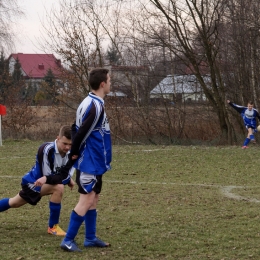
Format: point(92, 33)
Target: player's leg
point(76, 219)
point(56, 192)
point(247, 140)
point(85, 183)
point(15, 202)
point(251, 134)
point(91, 220)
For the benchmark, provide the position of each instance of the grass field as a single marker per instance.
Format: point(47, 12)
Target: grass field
point(158, 202)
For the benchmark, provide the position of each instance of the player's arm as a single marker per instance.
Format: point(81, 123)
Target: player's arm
point(62, 177)
point(73, 131)
point(83, 131)
point(44, 162)
point(257, 114)
point(238, 108)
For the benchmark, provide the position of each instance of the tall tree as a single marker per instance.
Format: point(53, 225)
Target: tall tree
point(195, 25)
point(17, 74)
point(49, 78)
point(5, 78)
point(113, 55)
point(9, 10)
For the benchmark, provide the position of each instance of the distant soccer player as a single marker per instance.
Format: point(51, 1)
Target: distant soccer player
point(91, 148)
point(249, 115)
point(44, 179)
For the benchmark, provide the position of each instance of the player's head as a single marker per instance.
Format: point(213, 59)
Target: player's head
point(64, 139)
point(99, 78)
point(250, 105)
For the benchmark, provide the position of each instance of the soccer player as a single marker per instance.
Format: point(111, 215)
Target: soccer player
point(44, 179)
point(92, 150)
point(249, 115)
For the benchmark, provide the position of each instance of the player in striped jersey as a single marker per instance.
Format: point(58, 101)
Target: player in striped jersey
point(249, 115)
point(92, 149)
point(44, 179)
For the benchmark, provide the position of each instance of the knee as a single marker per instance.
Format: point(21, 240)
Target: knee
point(59, 189)
point(13, 203)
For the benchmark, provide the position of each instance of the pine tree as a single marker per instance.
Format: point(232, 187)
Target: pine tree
point(49, 78)
point(5, 78)
point(49, 87)
point(17, 73)
point(112, 55)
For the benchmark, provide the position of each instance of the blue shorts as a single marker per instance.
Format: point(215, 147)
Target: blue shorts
point(88, 182)
point(252, 126)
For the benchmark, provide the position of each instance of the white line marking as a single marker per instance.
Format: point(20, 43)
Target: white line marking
point(225, 190)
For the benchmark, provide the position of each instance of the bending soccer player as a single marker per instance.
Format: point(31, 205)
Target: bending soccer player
point(92, 150)
point(249, 115)
point(44, 179)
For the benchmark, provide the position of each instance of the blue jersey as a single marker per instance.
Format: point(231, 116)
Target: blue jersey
point(249, 116)
point(48, 162)
point(91, 137)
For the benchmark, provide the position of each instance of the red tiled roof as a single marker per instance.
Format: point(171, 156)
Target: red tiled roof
point(37, 65)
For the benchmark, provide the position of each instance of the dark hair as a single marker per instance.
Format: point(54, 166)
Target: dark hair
point(96, 77)
point(65, 131)
point(250, 102)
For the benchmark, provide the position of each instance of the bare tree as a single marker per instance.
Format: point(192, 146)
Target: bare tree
point(9, 11)
point(195, 27)
point(79, 31)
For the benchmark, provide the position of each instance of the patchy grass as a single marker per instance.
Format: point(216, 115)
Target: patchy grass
point(158, 202)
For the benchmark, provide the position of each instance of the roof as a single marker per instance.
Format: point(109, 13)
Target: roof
point(182, 84)
point(116, 94)
point(37, 65)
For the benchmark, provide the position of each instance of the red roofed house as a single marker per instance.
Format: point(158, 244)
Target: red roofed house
point(35, 66)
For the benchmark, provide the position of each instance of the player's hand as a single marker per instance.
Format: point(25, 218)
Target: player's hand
point(71, 184)
point(228, 101)
point(40, 181)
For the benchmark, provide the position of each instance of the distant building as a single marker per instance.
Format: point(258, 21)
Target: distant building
point(179, 88)
point(34, 67)
point(129, 81)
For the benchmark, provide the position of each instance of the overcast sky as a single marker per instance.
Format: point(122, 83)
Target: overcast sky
point(28, 28)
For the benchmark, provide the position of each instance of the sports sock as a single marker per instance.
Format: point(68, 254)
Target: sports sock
point(74, 225)
point(252, 137)
point(4, 204)
point(246, 142)
point(54, 213)
point(90, 224)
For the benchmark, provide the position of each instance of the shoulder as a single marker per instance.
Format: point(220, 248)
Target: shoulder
point(46, 148)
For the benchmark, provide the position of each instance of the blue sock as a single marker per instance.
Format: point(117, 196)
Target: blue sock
point(90, 224)
point(74, 225)
point(252, 137)
point(246, 142)
point(54, 213)
point(4, 204)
